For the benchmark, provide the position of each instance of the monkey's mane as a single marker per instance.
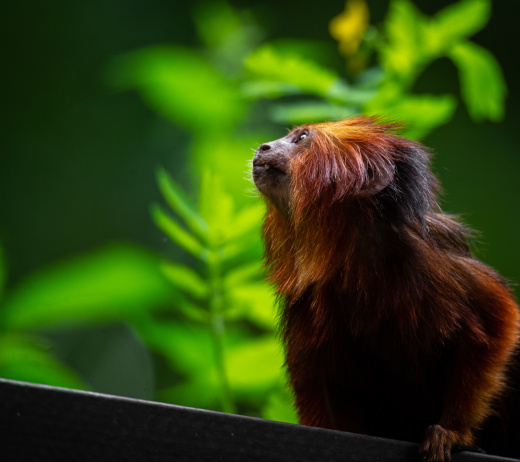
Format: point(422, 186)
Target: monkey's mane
point(332, 198)
point(364, 220)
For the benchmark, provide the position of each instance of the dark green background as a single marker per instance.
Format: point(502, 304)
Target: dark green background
point(77, 160)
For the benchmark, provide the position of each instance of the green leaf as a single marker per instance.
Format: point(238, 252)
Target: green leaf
point(280, 407)
point(258, 89)
point(178, 234)
point(186, 279)
point(424, 113)
point(247, 248)
point(190, 310)
point(244, 273)
point(216, 206)
point(22, 358)
point(247, 221)
point(344, 94)
point(113, 283)
point(225, 160)
point(180, 204)
point(306, 112)
point(182, 85)
point(255, 302)
point(190, 351)
point(314, 52)
point(269, 63)
point(187, 347)
point(402, 54)
point(255, 365)
point(420, 113)
point(196, 393)
point(483, 87)
point(456, 22)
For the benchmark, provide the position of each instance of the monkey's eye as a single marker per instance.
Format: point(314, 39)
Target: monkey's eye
point(302, 137)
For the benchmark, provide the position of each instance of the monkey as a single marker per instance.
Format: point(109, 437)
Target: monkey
point(390, 326)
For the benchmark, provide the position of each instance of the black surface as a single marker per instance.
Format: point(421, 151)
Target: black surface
point(42, 423)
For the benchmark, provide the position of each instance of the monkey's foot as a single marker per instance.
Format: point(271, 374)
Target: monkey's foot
point(437, 444)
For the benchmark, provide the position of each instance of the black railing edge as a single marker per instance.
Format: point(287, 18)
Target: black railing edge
point(46, 423)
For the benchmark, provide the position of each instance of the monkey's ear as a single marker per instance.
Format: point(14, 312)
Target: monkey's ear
point(378, 179)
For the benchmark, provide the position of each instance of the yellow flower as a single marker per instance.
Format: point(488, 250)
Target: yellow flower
point(349, 27)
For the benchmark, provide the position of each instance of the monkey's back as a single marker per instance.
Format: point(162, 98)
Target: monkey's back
point(384, 372)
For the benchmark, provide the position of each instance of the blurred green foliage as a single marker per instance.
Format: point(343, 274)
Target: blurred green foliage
point(209, 318)
point(224, 293)
point(110, 285)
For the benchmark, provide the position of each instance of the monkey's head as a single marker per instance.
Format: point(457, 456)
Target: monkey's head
point(330, 186)
point(273, 165)
point(351, 161)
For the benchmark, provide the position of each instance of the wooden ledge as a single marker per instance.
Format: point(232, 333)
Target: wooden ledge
point(43, 423)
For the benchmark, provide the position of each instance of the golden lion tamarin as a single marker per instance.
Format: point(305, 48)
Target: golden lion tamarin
point(391, 326)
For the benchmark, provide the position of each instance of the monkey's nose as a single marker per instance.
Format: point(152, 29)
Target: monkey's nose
point(264, 147)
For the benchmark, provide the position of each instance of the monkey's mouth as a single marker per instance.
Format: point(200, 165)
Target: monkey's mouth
point(271, 177)
point(262, 167)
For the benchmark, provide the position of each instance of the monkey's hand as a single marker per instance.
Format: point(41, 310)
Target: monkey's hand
point(437, 444)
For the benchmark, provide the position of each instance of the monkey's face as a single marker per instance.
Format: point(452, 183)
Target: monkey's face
point(272, 166)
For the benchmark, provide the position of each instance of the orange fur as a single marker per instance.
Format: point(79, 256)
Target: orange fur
point(391, 326)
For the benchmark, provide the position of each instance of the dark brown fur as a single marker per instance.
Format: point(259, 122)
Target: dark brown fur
point(391, 326)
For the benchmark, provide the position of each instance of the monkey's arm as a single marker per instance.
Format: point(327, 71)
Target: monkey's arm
point(477, 377)
point(466, 403)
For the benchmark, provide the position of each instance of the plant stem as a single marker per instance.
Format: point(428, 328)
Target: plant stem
point(216, 304)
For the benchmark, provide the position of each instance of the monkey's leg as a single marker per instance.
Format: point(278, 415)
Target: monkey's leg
point(312, 404)
point(316, 407)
